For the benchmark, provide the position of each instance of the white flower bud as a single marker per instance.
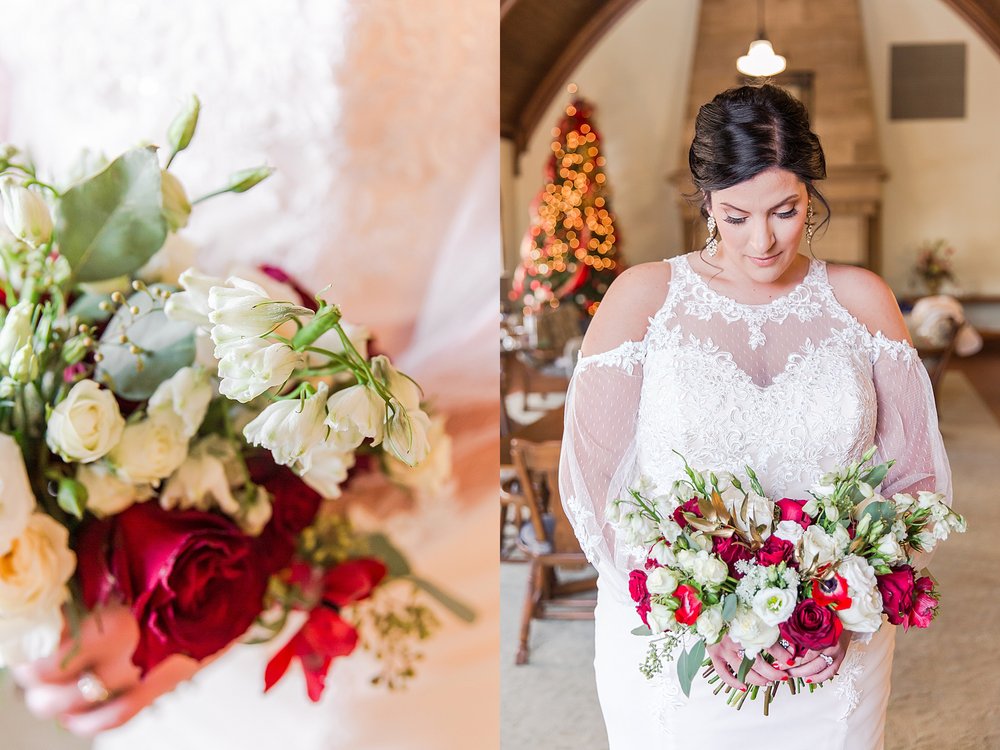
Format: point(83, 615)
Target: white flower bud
point(25, 213)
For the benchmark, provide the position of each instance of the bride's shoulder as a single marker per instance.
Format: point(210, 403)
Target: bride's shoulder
point(631, 300)
point(867, 297)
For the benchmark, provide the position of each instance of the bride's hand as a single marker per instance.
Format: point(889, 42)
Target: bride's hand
point(813, 667)
point(726, 658)
point(107, 641)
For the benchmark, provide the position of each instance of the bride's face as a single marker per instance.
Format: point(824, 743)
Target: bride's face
point(760, 224)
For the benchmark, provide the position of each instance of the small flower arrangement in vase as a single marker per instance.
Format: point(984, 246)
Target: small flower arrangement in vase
point(934, 265)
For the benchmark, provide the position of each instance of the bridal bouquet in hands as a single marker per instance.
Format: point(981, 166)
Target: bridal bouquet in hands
point(180, 445)
point(723, 558)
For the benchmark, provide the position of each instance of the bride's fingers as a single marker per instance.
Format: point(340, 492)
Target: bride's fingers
point(51, 699)
point(767, 671)
point(783, 657)
point(725, 671)
point(810, 668)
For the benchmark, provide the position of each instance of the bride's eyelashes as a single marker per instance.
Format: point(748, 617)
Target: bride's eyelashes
point(781, 215)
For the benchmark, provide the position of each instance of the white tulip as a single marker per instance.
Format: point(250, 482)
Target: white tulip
point(328, 467)
point(85, 425)
point(17, 331)
point(661, 581)
point(774, 605)
point(865, 613)
point(250, 367)
point(25, 213)
point(406, 434)
point(151, 449)
point(17, 501)
point(291, 428)
point(107, 493)
point(709, 624)
point(357, 411)
point(187, 394)
point(751, 632)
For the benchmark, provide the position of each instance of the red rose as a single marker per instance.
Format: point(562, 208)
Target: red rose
point(690, 604)
point(191, 579)
point(730, 551)
point(643, 608)
point(896, 589)
point(831, 592)
point(811, 626)
point(924, 606)
point(294, 505)
point(637, 585)
point(691, 506)
point(776, 550)
point(791, 510)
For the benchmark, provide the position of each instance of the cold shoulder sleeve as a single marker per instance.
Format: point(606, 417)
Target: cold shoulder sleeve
point(599, 445)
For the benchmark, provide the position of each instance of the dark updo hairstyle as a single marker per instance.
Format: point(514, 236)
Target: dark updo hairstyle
point(744, 131)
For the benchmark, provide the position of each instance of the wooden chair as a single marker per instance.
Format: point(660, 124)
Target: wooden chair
point(548, 540)
point(936, 356)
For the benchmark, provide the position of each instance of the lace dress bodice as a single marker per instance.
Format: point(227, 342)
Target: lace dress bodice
point(792, 388)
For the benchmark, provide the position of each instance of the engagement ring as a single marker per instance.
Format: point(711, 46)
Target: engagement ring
point(785, 644)
point(92, 688)
point(827, 658)
point(742, 654)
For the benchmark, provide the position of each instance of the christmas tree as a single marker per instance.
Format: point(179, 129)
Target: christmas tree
point(570, 252)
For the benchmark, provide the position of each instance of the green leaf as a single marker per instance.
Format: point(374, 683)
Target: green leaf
point(875, 475)
point(168, 345)
point(381, 547)
point(110, 224)
point(728, 607)
point(744, 669)
point(641, 630)
point(882, 510)
point(72, 496)
point(688, 664)
point(460, 610)
point(87, 308)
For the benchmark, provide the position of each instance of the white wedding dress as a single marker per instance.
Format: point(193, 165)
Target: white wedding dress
point(381, 119)
point(792, 388)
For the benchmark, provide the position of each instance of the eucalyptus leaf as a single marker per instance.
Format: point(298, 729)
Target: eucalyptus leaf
point(111, 223)
point(72, 496)
point(641, 630)
point(688, 664)
point(86, 308)
point(460, 610)
point(168, 345)
point(744, 669)
point(876, 475)
point(381, 547)
point(880, 511)
point(728, 607)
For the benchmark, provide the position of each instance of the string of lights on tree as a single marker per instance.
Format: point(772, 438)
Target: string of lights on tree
point(570, 253)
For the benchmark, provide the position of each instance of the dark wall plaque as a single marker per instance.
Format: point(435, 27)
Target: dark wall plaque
point(926, 81)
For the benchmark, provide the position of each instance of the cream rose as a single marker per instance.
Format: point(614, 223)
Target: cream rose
point(34, 571)
point(709, 570)
point(187, 393)
point(709, 624)
point(107, 493)
point(17, 500)
point(152, 449)
point(661, 581)
point(86, 424)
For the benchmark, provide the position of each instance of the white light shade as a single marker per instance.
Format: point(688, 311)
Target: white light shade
point(760, 60)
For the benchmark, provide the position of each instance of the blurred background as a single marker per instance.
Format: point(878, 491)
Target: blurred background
point(597, 108)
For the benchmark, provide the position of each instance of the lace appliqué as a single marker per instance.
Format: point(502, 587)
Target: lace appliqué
point(703, 302)
point(846, 681)
point(583, 522)
point(625, 356)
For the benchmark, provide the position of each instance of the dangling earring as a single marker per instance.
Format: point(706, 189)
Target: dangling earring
point(711, 244)
point(809, 225)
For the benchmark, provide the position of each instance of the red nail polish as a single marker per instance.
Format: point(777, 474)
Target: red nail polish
point(785, 678)
point(790, 662)
point(808, 680)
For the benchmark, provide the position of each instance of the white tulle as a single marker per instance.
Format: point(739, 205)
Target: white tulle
point(793, 389)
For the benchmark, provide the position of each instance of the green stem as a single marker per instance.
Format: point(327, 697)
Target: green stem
point(214, 193)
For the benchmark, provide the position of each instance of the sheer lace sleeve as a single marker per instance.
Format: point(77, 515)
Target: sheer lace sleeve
point(907, 424)
point(599, 447)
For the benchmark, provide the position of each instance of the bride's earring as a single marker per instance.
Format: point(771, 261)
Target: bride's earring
point(809, 225)
point(712, 243)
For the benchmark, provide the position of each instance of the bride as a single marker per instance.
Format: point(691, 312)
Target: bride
point(745, 353)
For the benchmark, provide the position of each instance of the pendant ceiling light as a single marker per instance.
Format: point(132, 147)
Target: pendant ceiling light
point(760, 60)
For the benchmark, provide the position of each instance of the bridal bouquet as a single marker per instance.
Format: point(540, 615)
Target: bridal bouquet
point(723, 558)
point(179, 446)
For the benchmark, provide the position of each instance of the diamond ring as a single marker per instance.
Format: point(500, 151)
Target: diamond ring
point(742, 654)
point(785, 644)
point(92, 688)
point(827, 658)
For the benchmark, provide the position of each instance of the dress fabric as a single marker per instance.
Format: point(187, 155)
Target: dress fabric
point(792, 388)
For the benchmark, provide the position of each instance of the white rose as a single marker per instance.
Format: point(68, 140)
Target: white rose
point(818, 548)
point(17, 331)
point(252, 366)
point(85, 425)
point(889, 549)
point(406, 434)
point(25, 212)
point(431, 476)
point(34, 571)
point(700, 542)
point(358, 412)
point(187, 393)
point(865, 613)
point(751, 632)
point(151, 449)
point(789, 531)
point(759, 510)
point(661, 581)
point(17, 501)
point(206, 478)
point(291, 428)
point(774, 605)
point(328, 468)
point(686, 559)
point(25, 639)
point(660, 618)
point(709, 624)
point(709, 570)
point(108, 494)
